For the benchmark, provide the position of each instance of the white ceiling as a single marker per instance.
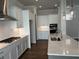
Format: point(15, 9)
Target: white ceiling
point(46, 4)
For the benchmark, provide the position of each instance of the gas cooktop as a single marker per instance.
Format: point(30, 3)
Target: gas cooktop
point(9, 40)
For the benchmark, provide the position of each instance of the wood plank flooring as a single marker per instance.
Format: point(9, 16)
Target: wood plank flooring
point(38, 51)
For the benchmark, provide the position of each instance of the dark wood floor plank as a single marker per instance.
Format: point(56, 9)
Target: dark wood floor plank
point(38, 51)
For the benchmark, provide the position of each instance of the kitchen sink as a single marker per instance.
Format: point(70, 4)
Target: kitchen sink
point(55, 39)
point(77, 39)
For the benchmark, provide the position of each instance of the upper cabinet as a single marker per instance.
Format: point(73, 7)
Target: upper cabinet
point(11, 8)
point(19, 17)
point(15, 11)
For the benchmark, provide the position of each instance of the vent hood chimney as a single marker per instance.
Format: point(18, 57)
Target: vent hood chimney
point(3, 10)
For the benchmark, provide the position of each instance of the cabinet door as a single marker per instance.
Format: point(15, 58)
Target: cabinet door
point(18, 48)
point(11, 8)
point(26, 42)
point(13, 52)
point(19, 17)
point(4, 53)
point(1, 55)
point(43, 35)
point(23, 46)
point(7, 56)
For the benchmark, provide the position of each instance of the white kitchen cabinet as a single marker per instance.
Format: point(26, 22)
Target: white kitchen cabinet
point(19, 17)
point(23, 46)
point(11, 8)
point(7, 53)
point(4, 53)
point(43, 35)
point(24, 43)
point(13, 51)
point(18, 48)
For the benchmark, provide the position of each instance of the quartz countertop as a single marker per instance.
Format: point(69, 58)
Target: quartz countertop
point(66, 47)
point(2, 45)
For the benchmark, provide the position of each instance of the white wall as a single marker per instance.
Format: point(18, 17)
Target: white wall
point(7, 29)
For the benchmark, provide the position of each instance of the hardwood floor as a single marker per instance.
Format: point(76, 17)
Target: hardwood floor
point(38, 51)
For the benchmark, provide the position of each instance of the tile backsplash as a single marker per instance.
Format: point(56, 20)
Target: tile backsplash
point(7, 29)
point(19, 32)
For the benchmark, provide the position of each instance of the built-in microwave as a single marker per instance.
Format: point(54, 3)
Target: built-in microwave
point(53, 28)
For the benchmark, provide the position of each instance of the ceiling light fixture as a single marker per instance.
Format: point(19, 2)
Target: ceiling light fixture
point(40, 6)
point(56, 5)
point(36, 0)
point(68, 7)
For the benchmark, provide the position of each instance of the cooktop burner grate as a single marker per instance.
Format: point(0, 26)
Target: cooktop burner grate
point(9, 40)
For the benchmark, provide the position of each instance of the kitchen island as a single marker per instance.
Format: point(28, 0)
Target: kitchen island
point(65, 48)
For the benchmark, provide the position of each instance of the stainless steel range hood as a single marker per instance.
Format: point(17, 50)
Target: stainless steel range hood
point(4, 10)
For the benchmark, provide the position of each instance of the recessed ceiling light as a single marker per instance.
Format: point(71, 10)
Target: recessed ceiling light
point(40, 6)
point(56, 5)
point(68, 6)
point(36, 0)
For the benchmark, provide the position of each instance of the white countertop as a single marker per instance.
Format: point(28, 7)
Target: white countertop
point(2, 45)
point(66, 47)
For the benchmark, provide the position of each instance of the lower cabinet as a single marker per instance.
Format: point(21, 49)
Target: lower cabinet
point(43, 35)
point(18, 48)
point(4, 53)
point(15, 50)
point(21, 46)
point(24, 44)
